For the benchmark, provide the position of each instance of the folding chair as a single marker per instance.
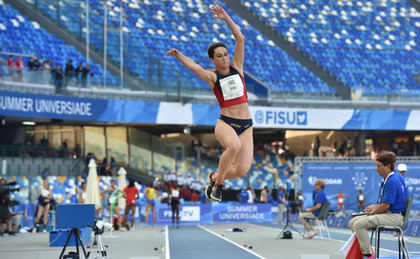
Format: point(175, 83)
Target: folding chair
point(402, 247)
point(320, 220)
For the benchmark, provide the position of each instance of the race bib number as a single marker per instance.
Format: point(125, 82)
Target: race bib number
point(232, 87)
point(340, 200)
point(175, 193)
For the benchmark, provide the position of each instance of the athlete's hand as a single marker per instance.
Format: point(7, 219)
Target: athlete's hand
point(172, 52)
point(219, 12)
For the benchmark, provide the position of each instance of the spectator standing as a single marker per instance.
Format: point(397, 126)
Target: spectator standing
point(251, 194)
point(243, 196)
point(45, 173)
point(113, 167)
point(194, 196)
point(282, 202)
point(10, 66)
point(166, 178)
point(180, 180)
point(58, 79)
point(78, 74)
point(317, 144)
point(131, 194)
point(189, 180)
point(85, 73)
point(263, 195)
point(349, 147)
point(19, 68)
point(185, 193)
point(319, 199)
point(68, 72)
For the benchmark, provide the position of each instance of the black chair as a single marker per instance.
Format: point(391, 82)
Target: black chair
point(402, 247)
point(320, 220)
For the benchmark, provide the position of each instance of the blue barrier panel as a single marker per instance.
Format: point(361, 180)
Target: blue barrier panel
point(75, 215)
point(189, 214)
point(225, 212)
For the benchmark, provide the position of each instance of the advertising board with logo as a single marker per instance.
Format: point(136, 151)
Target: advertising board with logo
point(350, 178)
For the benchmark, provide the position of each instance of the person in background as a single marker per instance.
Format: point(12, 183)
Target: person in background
point(402, 169)
point(19, 68)
point(10, 66)
point(68, 72)
point(263, 195)
point(82, 193)
point(131, 194)
point(251, 194)
point(113, 194)
point(45, 173)
point(43, 207)
point(58, 79)
point(360, 201)
point(174, 198)
point(78, 74)
point(282, 202)
point(390, 208)
point(194, 196)
point(319, 199)
point(300, 200)
point(243, 196)
point(341, 199)
point(85, 73)
point(150, 194)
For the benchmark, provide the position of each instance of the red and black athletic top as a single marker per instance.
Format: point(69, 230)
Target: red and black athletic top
point(230, 89)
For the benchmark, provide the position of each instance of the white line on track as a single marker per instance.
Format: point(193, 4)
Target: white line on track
point(338, 240)
point(230, 241)
point(167, 253)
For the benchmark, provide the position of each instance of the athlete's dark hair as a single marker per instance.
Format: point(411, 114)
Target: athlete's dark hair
point(214, 46)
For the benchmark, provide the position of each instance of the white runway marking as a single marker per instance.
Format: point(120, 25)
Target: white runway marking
point(230, 241)
point(167, 253)
point(335, 231)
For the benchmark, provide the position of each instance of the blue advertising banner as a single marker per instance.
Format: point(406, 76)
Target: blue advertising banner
point(230, 212)
point(189, 214)
point(125, 111)
point(350, 178)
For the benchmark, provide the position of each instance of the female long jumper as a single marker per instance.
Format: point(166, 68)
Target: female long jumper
point(234, 127)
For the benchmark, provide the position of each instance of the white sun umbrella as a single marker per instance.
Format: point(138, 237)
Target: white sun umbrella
point(92, 192)
point(121, 185)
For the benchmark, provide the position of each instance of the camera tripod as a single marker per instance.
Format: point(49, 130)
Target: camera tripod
point(76, 233)
point(288, 223)
point(97, 239)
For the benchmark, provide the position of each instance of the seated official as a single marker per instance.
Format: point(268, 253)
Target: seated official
point(319, 199)
point(390, 209)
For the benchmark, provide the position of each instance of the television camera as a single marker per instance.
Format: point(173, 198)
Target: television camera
point(5, 190)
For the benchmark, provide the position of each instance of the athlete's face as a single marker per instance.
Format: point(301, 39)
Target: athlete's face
point(220, 57)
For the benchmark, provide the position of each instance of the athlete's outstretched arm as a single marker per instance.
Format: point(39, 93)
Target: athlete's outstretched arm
point(191, 65)
point(238, 59)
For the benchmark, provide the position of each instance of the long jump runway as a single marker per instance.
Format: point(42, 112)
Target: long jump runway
point(259, 241)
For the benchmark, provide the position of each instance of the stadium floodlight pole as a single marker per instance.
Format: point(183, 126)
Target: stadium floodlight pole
point(87, 30)
point(105, 38)
point(121, 43)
